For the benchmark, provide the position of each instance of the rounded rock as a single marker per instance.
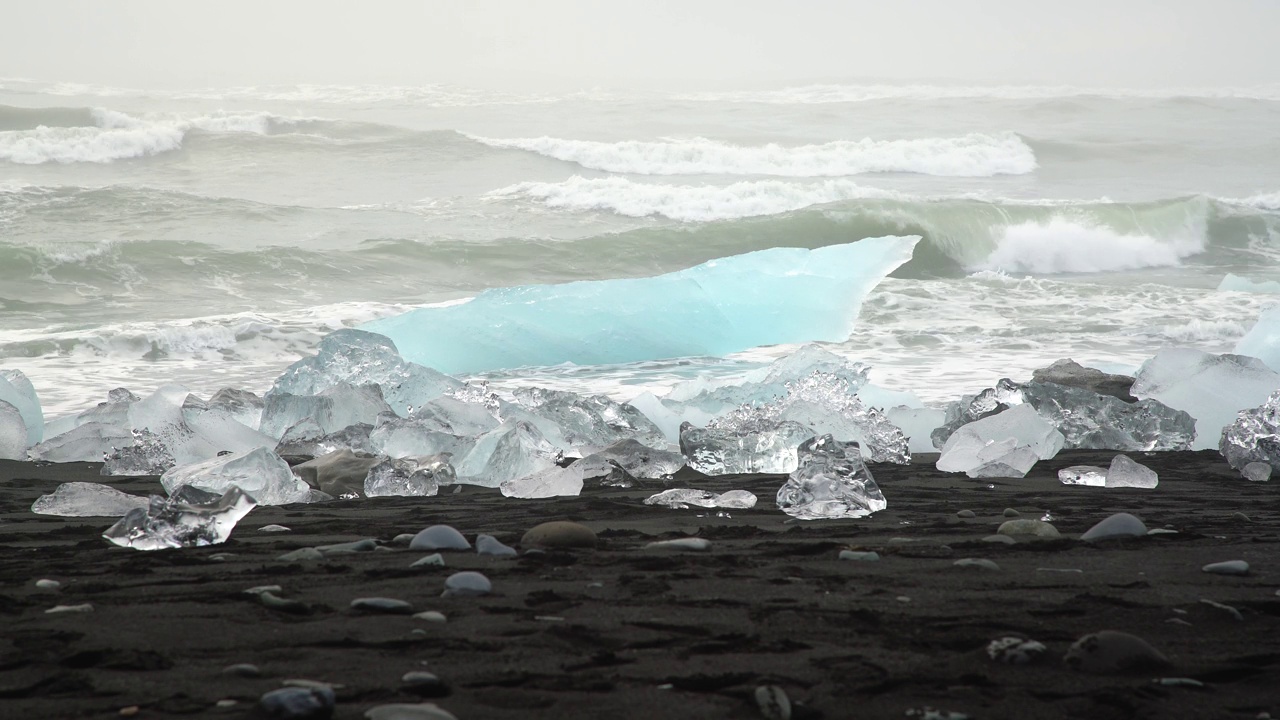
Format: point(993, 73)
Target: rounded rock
point(1120, 525)
point(1011, 513)
point(467, 584)
point(1001, 539)
point(245, 670)
point(687, 544)
point(407, 711)
point(559, 534)
point(860, 556)
point(424, 683)
point(1111, 651)
point(390, 606)
point(434, 560)
point(1033, 528)
point(431, 616)
point(47, 584)
point(490, 545)
point(298, 703)
point(439, 537)
point(967, 514)
point(1015, 650)
point(981, 563)
point(773, 702)
point(1229, 567)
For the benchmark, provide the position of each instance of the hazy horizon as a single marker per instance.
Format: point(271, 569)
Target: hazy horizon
point(566, 43)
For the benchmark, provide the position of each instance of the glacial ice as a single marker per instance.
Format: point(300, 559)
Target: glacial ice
point(1070, 373)
point(967, 448)
point(972, 408)
point(1212, 388)
point(768, 297)
point(917, 424)
point(17, 390)
point(355, 357)
point(508, 452)
point(457, 416)
point(1126, 472)
point(1263, 339)
point(13, 433)
point(762, 448)
point(558, 481)
point(399, 438)
point(831, 482)
point(1254, 436)
point(588, 423)
point(410, 476)
point(308, 438)
point(84, 499)
point(1000, 460)
point(147, 455)
point(1257, 471)
point(259, 472)
point(1090, 475)
point(190, 517)
point(1104, 422)
point(715, 396)
point(243, 406)
point(640, 460)
point(89, 442)
point(1235, 283)
point(333, 408)
point(682, 498)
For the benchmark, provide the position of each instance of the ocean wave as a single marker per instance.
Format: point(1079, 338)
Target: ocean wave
point(838, 93)
point(1059, 245)
point(1268, 201)
point(974, 155)
point(108, 135)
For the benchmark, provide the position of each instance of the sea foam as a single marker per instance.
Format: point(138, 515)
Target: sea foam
point(1065, 246)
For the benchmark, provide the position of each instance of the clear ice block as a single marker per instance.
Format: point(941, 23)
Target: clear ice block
point(189, 518)
point(84, 499)
point(831, 482)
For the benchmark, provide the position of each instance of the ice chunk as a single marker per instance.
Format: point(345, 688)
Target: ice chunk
point(399, 438)
point(831, 482)
point(639, 460)
point(1007, 462)
point(475, 415)
point(761, 448)
point(113, 413)
point(1125, 472)
point(768, 297)
point(1235, 283)
point(189, 518)
point(917, 425)
point(665, 418)
point(971, 408)
point(507, 452)
point(1254, 436)
point(1070, 373)
point(557, 481)
point(1090, 475)
point(333, 409)
point(339, 473)
point(1257, 471)
point(1103, 422)
point(148, 455)
point(84, 499)
point(17, 390)
point(89, 442)
point(13, 433)
point(682, 498)
point(1212, 388)
point(716, 395)
point(355, 357)
point(964, 450)
point(588, 423)
point(307, 438)
point(826, 405)
point(259, 472)
point(243, 406)
point(413, 476)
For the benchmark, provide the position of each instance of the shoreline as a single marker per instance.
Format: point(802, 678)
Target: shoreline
point(627, 631)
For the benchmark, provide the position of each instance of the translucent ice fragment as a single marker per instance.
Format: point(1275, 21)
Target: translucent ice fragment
point(640, 460)
point(1235, 283)
point(1254, 436)
point(411, 476)
point(83, 499)
point(333, 409)
point(682, 498)
point(1091, 475)
point(1212, 388)
point(972, 408)
point(467, 584)
point(355, 357)
point(768, 297)
point(589, 422)
point(917, 424)
point(761, 448)
point(1012, 463)
point(1257, 471)
point(439, 537)
point(1070, 373)
point(259, 472)
point(466, 416)
point(13, 433)
point(243, 406)
point(831, 482)
point(763, 385)
point(146, 455)
point(507, 452)
point(89, 442)
point(1263, 339)
point(1125, 472)
point(964, 450)
point(17, 390)
point(308, 438)
point(1103, 422)
point(557, 481)
point(397, 437)
point(490, 545)
point(189, 518)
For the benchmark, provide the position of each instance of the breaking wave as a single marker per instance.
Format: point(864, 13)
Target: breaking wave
point(837, 93)
point(974, 155)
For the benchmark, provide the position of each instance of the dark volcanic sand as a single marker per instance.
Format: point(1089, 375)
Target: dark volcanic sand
point(621, 632)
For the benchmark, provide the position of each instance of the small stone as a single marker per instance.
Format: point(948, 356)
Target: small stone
point(355, 546)
point(1179, 682)
point(259, 589)
point(559, 534)
point(424, 683)
point(275, 602)
point(274, 528)
point(439, 537)
point(1015, 650)
point(1241, 517)
point(1110, 651)
point(1257, 471)
point(246, 670)
point(966, 514)
point(226, 703)
point(434, 616)
point(59, 609)
point(46, 584)
point(1002, 539)
point(1229, 567)
point(299, 703)
point(306, 554)
point(976, 562)
point(693, 544)
point(1225, 608)
point(1011, 513)
point(406, 711)
point(1033, 528)
point(489, 545)
point(129, 711)
point(467, 584)
point(1161, 531)
point(1120, 525)
point(402, 539)
point(859, 555)
point(390, 606)
point(773, 702)
point(435, 560)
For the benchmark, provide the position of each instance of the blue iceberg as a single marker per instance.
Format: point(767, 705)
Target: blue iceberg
point(1263, 339)
point(768, 297)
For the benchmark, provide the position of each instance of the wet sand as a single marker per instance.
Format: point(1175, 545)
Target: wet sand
point(626, 632)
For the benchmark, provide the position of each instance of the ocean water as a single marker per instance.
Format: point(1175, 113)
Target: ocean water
point(210, 237)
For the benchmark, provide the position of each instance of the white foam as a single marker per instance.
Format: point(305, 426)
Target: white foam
point(1064, 246)
point(1268, 201)
point(974, 155)
point(834, 93)
point(687, 203)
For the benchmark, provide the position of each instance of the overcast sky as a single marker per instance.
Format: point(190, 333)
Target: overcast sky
point(628, 43)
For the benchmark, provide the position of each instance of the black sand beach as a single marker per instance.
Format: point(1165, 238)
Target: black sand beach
point(627, 632)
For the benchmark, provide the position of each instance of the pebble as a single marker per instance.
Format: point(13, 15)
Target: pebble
point(391, 606)
point(976, 562)
point(242, 670)
point(402, 539)
point(1162, 531)
point(694, 544)
point(467, 584)
point(1229, 567)
point(274, 528)
point(221, 557)
point(439, 537)
point(1011, 513)
point(559, 534)
point(431, 616)
point(858, 555)
point(406, 711)
point(773, 702)
point(227, 703)
point(275, 602)
point(1179, 682)
point(1033, 528)
point(431, 560)
point(259, 589)
point(1240, 516)
point(46, 584)
point(967, 514)
point(1225, 608)
point(310, 684)
point(1111, 651)
point(1120, 525)
point(355, 546)
point(424, 683)
point(490, 545)
point(1003, 539)
point(58, 609)
point(129, 711)
point(306, 554)
point(296, 703)
point(1015, 650)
